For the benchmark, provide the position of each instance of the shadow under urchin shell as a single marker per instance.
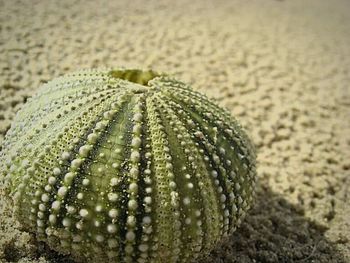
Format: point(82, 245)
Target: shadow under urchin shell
point(127, 166)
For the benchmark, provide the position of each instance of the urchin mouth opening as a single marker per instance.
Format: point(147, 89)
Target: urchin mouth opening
point(135, 75)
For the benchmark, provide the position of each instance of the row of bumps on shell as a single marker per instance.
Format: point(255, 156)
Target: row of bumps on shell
point(111, 171)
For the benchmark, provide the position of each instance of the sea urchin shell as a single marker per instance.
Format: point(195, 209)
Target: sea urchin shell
point(127, 166)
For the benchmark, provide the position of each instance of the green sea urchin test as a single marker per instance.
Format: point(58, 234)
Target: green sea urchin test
point(127, 166)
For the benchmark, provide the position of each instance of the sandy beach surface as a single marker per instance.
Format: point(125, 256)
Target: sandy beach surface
point(281, 67)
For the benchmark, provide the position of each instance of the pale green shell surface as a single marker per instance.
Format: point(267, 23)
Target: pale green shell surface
point(127, 166)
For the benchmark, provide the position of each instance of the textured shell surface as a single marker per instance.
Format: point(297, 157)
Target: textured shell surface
point(127, 166)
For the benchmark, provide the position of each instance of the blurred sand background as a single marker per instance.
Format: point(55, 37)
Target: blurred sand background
point(281, 67)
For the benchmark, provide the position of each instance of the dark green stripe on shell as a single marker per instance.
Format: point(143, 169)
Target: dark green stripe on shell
point(127, 166)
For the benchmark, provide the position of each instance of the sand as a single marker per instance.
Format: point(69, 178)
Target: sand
point(281, 67)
